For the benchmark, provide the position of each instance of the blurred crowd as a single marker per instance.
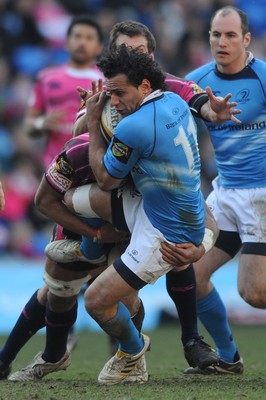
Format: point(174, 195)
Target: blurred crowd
point(32, 37)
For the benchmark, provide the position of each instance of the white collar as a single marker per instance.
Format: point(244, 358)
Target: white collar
point(152, 96)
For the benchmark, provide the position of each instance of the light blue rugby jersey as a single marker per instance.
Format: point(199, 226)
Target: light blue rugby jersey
point(240, 150)
point(161, 152)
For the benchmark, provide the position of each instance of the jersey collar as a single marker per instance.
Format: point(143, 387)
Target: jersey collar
point(152, 96)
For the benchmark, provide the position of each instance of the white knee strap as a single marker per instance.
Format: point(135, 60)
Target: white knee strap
point(81, 202)
point(63, 288)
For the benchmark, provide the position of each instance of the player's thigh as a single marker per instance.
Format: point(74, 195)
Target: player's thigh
point(252, 279)
point(57, 272)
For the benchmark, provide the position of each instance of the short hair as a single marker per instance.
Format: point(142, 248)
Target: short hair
point(135, 65)
point(227, 10)
point(131, 29)
point(86, 20)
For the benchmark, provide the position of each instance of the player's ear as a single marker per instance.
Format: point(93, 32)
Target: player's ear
point(146, 86)
point(247, 39)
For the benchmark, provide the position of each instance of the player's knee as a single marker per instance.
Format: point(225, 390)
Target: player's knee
point(42, 295)
point(64, 289)
point(254, 297)
point(202, 282)
point(93, 303)
point(90, 301)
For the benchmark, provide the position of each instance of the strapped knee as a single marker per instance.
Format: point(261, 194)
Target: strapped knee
point(62, 288)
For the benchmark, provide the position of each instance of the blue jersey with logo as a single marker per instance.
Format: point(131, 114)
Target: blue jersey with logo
point(157, 144)
point(240, 150)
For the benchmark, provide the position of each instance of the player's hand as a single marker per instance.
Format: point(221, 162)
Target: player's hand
point(109, 234)
point(181, 254)
point(86, 94)
point(223, 108)
point(94, 108)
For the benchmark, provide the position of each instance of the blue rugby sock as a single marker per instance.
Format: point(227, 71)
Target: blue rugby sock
point(122, 328)
point(212, 314)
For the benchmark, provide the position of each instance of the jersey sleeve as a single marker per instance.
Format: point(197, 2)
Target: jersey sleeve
point(59, 173)
point(189, 91)
point(70, 167)
point(124, 149)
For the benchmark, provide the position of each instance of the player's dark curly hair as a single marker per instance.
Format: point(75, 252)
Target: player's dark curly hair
point(135, 65)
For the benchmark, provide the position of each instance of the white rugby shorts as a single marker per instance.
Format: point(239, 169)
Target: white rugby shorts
point(142, 256)
point(240, 210)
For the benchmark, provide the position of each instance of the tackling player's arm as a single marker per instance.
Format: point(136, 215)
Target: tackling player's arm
point(50, 203)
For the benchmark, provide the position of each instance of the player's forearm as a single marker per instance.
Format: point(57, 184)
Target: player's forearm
point(57, 212)
point(80, 126)
point(49, 202)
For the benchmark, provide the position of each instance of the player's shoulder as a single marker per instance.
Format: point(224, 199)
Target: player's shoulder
point(77, 141)
point(201, 72)
point(258, 66)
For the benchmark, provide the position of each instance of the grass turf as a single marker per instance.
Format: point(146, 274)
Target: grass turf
point(165, 363)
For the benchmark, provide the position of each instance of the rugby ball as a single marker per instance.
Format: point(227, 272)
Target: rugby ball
point(109, 120)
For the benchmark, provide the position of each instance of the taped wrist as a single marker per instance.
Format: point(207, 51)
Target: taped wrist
point(208, 240)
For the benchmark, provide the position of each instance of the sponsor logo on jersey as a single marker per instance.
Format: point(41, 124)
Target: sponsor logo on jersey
point(176, 111)
point(63, 166)
point(121, 151)
point(196, 89)
point(58, 180)
point(242, 96)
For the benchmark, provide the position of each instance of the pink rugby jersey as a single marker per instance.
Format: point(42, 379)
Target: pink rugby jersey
point(55, 91)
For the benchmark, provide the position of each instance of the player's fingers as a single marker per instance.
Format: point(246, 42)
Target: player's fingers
point(100, 85)
point(233, 104)
point(82, 92)
point(233, 118)
point(209, 91)
point(227, 97)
